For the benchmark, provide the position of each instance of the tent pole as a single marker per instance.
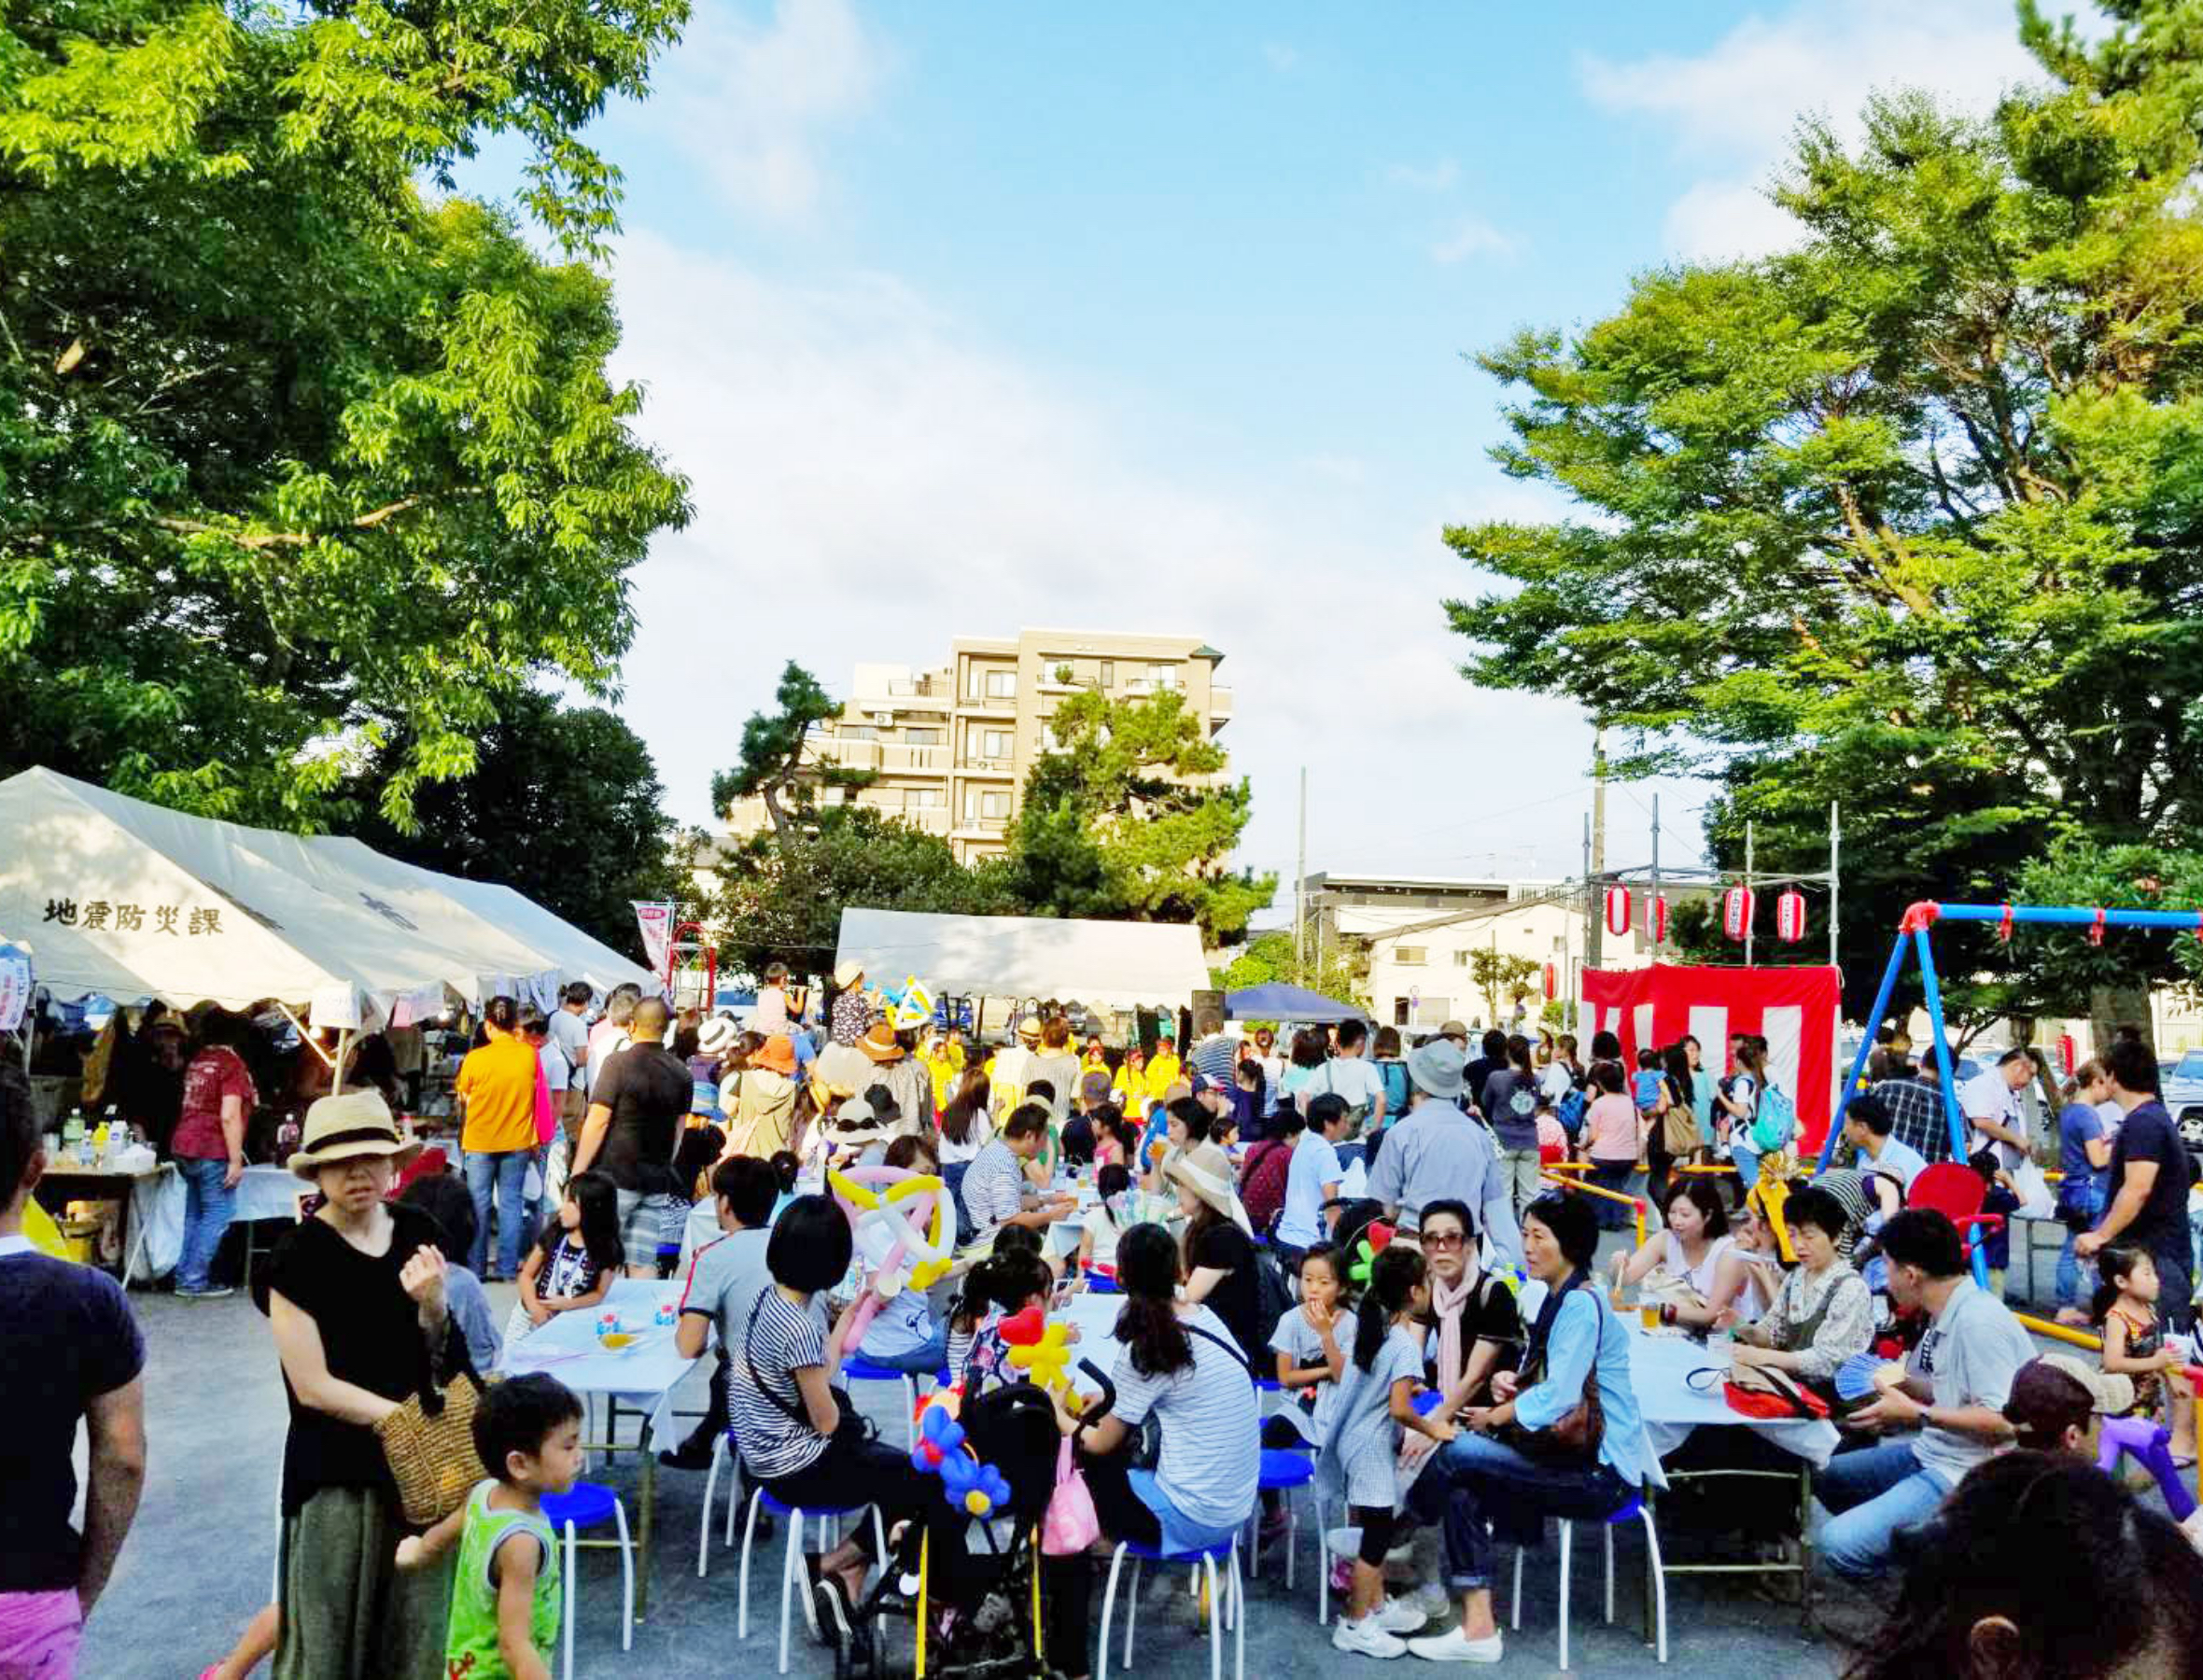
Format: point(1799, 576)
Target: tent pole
point(1866, 1045)
point(1945, 1071)
point(336, 1068)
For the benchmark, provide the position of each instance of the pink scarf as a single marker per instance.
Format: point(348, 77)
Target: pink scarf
point(1447, 1304)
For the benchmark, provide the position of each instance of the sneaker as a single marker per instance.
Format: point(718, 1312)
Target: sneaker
point(1400, 1615)
point(834, 1613)
point(687, 1456)
point(1365, 1638)
point(1431, 1599)
point(213, 1291)
point(1455, 1646)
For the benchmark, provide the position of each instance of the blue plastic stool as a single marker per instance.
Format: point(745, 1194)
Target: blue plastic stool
point(588, 1505)
point(1230, 1605)
point(1283, 1469)
point(857, 1369)
point(1634, 1510)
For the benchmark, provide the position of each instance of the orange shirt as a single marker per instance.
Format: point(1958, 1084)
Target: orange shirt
point(499, 1082)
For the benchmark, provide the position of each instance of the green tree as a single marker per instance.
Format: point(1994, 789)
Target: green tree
point(775, 764)
point(781, 899)
point(1130, 817)
point(1908, 516)
point(563, 804)
point(1499, 974)
point(295, 462)
point(1343, 975)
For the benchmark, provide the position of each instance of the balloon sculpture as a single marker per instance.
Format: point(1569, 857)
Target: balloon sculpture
point(1374, 1242)
point(942, 1451)
point(903, 1229)
point(909, 1006)
point(1043, 1352)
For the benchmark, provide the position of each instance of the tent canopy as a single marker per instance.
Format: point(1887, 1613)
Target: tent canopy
point(1121, 964)
point(1278, 1001)
point(113, 895)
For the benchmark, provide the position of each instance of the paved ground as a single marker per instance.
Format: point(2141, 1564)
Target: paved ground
point(198, 1562)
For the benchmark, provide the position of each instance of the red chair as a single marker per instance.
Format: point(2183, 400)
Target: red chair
point(1955, 1192)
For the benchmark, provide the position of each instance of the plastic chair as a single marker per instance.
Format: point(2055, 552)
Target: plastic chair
point(1231, 1606)
point(1636, 1510)
point(1283, 1469)
point(854, 1369)
point(1957, 1191)
point(586, 1506)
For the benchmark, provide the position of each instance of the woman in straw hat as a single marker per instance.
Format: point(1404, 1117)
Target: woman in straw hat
point(355, 1293)
point(1220, 1264)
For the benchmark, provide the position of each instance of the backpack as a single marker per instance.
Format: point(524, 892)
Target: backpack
point(1273, 1295)
point(1395, 1074)
point(1775, 1122)
point(1570, 1112)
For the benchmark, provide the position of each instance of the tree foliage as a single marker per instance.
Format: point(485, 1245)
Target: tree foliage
point(781, 899)
point(563, 804)
point(1342, 975)
point(1130, 817)
point(774, 765)
point(1500, 975)
point(1910, 515)
point(295, 462)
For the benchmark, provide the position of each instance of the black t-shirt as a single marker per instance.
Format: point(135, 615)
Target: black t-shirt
point(649, 1090)
point(1237, 1298)
point(2148, 1134)
point(1078, 1140)
point(1491, 1315)
point(66, 1337)
point(1479, 1070)
point(370, 1337)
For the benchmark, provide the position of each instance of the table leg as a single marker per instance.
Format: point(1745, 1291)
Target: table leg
point(1805, 1548)
point(123, 1232)
point(648, 1505)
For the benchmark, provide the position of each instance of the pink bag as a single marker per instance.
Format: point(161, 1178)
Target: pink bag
point(546, 1113)
point(1070, 1525)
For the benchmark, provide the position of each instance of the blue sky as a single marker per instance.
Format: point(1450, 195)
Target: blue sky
point(967, 318)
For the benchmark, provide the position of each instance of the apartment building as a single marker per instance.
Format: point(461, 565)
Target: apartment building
point(949, 746)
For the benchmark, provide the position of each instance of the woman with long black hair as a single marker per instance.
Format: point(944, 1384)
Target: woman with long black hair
point(1180, 1366)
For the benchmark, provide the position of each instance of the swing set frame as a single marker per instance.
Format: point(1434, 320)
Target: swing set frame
point(1914, 928)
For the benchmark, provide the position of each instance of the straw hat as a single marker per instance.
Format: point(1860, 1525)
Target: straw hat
point(717, 1036)
point(846, 974)
point(1435, 1068)
point(1028, 1029)
point(345, 1127)
point(2108, 1393)
point(1204, 1170)
point(879, 1043)
point(777, 1052)
point(841, 1070)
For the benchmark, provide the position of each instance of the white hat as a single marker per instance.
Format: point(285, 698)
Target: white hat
point(847, 974)
point(717, 1036)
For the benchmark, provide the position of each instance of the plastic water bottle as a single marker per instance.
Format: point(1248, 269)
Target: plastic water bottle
point(286, 1139)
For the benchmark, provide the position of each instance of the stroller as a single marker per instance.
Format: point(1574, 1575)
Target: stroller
point(972, 1586)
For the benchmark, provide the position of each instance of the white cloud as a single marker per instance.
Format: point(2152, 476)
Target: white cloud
point(752, 100)
point(1734, 107)
point(1279, 57)
point(873, 480)
point(1425, 178)
point(1472, 237)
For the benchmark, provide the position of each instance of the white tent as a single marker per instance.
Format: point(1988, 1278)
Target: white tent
point(115, 896)
point(1120, 964)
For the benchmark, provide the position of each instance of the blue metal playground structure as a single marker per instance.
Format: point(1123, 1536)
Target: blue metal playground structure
point(1915, 930)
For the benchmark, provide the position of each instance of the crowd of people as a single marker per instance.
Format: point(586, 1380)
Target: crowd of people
point(1372, 1226)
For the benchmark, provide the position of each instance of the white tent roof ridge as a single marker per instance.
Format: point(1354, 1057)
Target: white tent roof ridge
point(1119, 963)
point(118, 896)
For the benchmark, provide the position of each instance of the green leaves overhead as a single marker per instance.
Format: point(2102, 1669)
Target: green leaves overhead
point(1907, 515)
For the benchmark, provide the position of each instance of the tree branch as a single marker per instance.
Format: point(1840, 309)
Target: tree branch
point(267, 539)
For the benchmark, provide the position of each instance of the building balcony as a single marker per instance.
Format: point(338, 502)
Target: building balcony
point(987, 766)
point(888, 757)
point(982, 825)
point(1219, 703)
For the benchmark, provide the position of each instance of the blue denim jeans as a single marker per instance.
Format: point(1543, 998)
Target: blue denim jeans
point(1873, 1492)
point(925, 1361)
point(1747, 1162)
point(1486, 1492)
point(207, 1206)
point(508, 1173)
point(2069, 1267)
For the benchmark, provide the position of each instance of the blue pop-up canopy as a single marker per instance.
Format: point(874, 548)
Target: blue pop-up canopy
point(1278, 1001)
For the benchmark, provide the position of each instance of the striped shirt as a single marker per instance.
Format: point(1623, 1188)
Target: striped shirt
point(779, 1339)
point(1916, 1117)
point(1210, 1435)
point(993, 1187)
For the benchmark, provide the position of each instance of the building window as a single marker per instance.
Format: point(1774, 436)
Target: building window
point(1460, 958)
point(1162, 676)
point(922, 737)
point(857, 732)
point(994, 743)
point(1109, 673)
point(1002, 685)
point(994, 805)
point(1410, 956)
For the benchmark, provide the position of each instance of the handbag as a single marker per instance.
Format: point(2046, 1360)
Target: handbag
point(1070, 1524)
point(1574, 1435)
point(428, 1443)
point(1765, 1392)
point(854, 1425)
point(1678, 1131)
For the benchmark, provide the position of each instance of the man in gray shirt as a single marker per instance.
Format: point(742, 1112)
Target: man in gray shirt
point(1438, 1153)
point(723, 1283)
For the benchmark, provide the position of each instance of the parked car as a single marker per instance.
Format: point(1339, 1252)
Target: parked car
point(2182, 1083)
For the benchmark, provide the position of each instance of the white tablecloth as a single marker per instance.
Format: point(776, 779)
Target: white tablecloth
point(268, 1193)
point(643, 1374)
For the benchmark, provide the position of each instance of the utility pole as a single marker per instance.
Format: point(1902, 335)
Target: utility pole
point(1300, 891)
point(1655, 899)
point(1749, 895)
point(1595, 854)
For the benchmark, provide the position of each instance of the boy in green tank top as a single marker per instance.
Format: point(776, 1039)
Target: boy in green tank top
point(504, 1601)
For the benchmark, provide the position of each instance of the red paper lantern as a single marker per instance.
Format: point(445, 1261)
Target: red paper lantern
point(1789, 917)
point(1659, 917)
point(1736, 912)
point(1618, 911)
point(1553, 983)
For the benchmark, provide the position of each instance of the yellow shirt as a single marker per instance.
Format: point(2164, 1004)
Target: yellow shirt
point(498, 1083)
point(1163, 1072)
point(944, 1070)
